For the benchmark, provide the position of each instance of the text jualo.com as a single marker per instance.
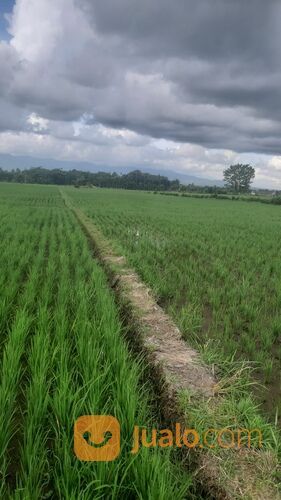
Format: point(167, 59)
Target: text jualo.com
point(98, 438)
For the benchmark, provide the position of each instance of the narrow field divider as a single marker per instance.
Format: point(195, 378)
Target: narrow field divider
point(180, 375)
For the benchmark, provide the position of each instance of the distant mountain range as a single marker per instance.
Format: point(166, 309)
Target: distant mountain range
point(9, 162)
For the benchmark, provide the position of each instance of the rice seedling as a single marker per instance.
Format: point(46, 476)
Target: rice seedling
point(63, 356)
point(212, 264)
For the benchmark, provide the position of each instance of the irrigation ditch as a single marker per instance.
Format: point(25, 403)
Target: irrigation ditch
point(177, 371)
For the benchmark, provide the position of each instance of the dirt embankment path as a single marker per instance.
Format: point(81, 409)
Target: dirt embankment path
point(177, 370)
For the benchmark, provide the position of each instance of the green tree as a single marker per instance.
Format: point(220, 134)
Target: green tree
point(239, 177)
point(132, 180)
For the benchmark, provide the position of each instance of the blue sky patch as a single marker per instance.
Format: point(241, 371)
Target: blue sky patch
point(6, 6)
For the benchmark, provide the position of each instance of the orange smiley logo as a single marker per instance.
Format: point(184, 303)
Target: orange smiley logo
point(97, 438)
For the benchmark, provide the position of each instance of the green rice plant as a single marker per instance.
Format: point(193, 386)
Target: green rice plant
point(34, 472)
point(268, 368)
point(213, 266)
point(107, 386)
point(212, 253)
point(11, 370)
point(10, 376)
point(34, 452)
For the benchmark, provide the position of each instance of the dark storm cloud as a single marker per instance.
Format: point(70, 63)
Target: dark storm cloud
point(217, 28)
point(200, 71)
point(224, 53)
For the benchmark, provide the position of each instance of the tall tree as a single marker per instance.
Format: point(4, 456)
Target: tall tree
point(239, 177)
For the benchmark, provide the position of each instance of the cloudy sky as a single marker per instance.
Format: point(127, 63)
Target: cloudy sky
point(182, 85)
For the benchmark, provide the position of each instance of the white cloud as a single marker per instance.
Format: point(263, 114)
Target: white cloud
point(37, 123)
point(275, 163)
point(103, 151)
point(81, 81)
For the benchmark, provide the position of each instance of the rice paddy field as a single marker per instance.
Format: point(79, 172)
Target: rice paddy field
point(214, 265)
point(62, 356)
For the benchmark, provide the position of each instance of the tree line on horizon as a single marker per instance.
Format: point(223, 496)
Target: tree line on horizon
point(133, 180)
point(237, 179)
